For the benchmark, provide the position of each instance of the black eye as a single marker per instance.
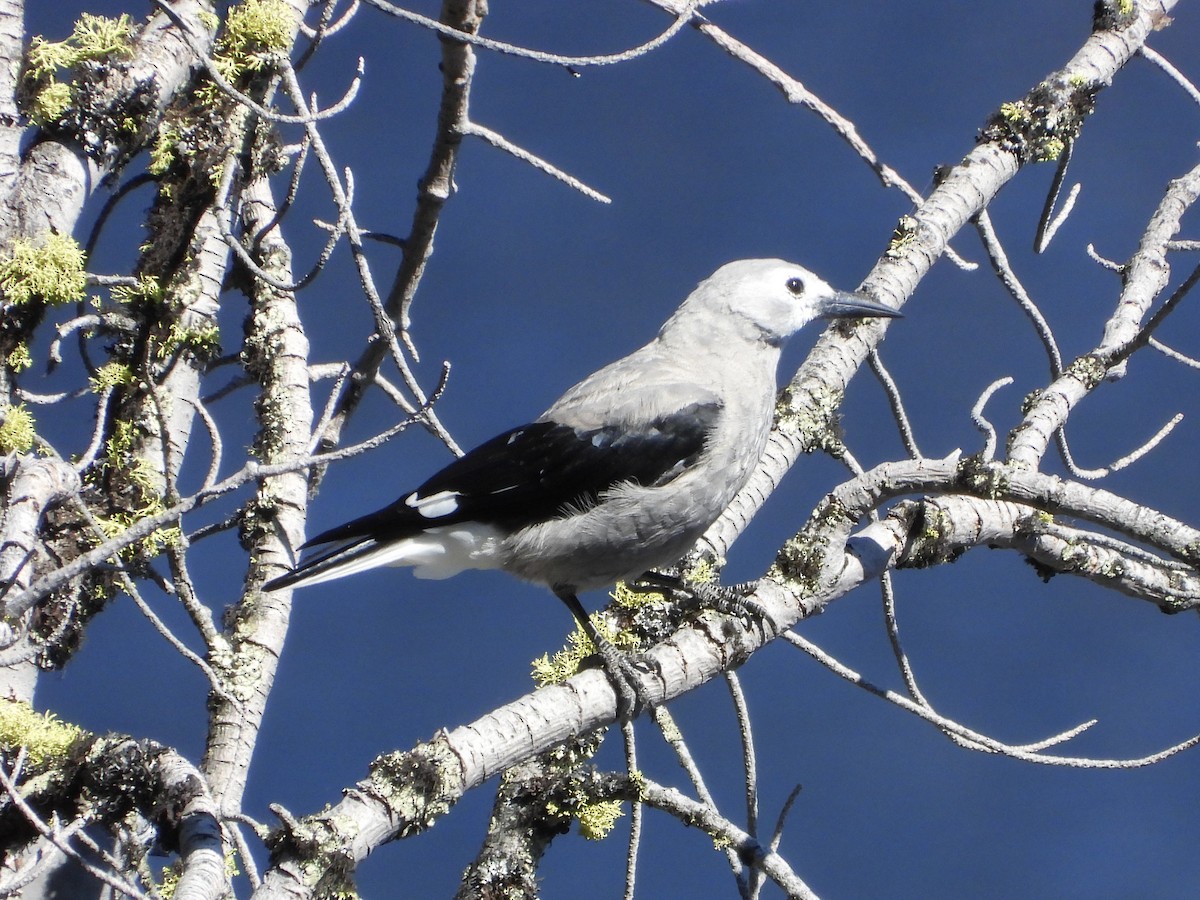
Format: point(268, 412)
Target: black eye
point(796, 286)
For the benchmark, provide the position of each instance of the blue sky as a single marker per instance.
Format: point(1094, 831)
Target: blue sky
point(532, 286)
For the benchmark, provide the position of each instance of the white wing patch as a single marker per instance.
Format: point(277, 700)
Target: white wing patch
point(443, 503)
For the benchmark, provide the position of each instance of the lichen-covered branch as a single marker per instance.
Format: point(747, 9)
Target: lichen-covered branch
point(1014, 137)
point(1144, 277)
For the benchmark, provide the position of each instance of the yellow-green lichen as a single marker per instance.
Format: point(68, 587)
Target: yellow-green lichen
point(202, 341)
point(148, 289)
point(162, 154)
point(1040, 126)
point(44, 737)
point(94, 38)
point(598, 818)
point(557, 668)
point(152, 544)
point(800, 560)
point(903, 235)
point(18, 430)
point(628, 598)
point(50, 104)
point(254, 31)
point(110, 375)
point(169, 877)
point(50, 270)
point(983, 477)
point(19, 358)
point(144, 483)
point(814, 425)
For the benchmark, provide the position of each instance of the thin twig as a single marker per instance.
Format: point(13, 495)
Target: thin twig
point(890, 388)
point(1048, 223)
point(977, 418)
point(636, 811)
point(500, 142)
point(683, 17)
point(683, 755)
point(1174, 354)
point(61, 840)
point(1178, 77)
point(1008, 277)
point(985, 743)
point(1119, 464)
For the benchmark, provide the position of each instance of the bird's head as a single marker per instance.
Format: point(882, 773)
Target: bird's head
point(776, 298)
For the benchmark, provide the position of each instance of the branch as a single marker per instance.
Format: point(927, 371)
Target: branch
point(962, 193)
point(1145, 275)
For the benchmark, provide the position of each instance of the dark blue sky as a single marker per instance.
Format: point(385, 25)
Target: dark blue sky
point(532, 286)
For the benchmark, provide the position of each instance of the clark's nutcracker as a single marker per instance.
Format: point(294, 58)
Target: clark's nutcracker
point(624, 472)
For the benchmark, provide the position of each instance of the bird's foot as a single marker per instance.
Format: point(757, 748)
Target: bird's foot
point(625, 672)
point(734, 600)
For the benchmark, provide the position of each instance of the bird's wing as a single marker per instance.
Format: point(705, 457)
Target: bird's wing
point(539, 470)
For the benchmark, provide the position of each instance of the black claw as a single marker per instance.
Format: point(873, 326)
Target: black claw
point(733, 600)
point(624, 671)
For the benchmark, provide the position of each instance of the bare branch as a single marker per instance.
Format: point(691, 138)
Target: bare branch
point(1048, 223)
point(984, 426)
point(502, 143)
point(459, 34)
point(1152, 56)
point(981, 741)
point(896, 402)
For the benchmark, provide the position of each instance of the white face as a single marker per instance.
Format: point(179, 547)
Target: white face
point(777, 296)
point(780, 297)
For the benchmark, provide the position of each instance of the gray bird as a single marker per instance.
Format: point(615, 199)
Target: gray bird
point(624, 472)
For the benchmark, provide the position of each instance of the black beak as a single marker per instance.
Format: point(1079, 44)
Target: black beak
point(845, 305)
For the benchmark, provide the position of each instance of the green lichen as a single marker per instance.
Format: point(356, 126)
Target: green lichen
point(110, 375)
point(45, 738)
point(903, 235)
point(19, 358)
point(18, 430)
point(598, 818)
point(983, 477)
point(50, 270)
point(94, 38)
point(815, 425)
point(929, 537)
point(800, 560)
point(627, 598)
point(557, 668)
point(169, 879)
point(148, 289)
point(145, 500)
point(1015, 113)
point(162, 154)
point(50, 104)
point(255, 31)
point(203, 341)
point(1040, 126)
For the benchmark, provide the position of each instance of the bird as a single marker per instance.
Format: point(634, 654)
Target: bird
point(623, 473)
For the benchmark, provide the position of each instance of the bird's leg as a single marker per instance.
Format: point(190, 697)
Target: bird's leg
point(734, 600)
point(624, 671)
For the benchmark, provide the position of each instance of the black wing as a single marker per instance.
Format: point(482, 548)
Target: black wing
point(534, 472)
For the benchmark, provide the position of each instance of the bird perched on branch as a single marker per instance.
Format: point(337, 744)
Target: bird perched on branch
point(624, 472)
